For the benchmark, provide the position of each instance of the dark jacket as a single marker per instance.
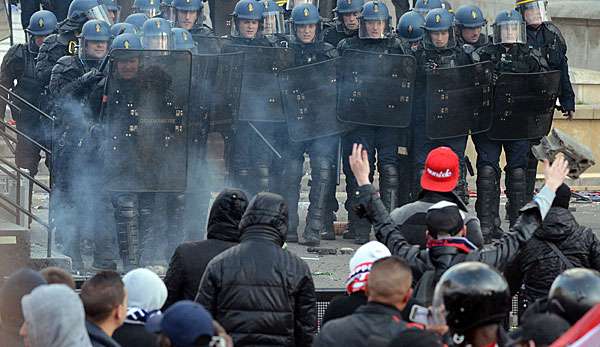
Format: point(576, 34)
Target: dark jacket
point(441, 257)
point(536, 266)
point(261, 294)
point(342, 306)
point(412, 218)
point(135, 335)
point(99, 337)
point(191, 258)
point(372, 319)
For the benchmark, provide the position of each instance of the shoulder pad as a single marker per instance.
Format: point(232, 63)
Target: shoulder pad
point(17, 51)
point(556, 31)
point(68, 62)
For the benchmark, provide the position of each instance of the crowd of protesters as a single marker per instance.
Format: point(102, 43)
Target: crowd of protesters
point(242, 287)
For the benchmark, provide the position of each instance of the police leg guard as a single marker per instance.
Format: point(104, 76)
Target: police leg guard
point(263, 179)
point(389, 183)
point(322, 175)
point(532, 164)
point(126, 218)
point(175, 230)
point(406, 171)
point(517, 192)
point(487, 204)
point(147, 239)
point(462, 187)
point(291, 192)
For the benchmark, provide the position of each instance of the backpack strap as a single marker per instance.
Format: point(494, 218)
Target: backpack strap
point(560, 254)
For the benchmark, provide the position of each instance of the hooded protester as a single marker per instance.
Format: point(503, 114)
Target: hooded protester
point(17, 285)
point(260, 293)
point(559, 244)
point(146, 294)
point(191, 258)
point(54, 317)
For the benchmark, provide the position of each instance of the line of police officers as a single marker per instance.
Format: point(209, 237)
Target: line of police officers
point(63, 70)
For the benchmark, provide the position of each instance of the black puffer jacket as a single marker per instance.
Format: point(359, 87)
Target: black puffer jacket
point(191, 258)
point(262, 294)
point(537, 265)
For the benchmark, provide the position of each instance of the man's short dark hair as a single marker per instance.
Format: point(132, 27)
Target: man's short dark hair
point(101, 294)
point(56, 275)
point(389, 276)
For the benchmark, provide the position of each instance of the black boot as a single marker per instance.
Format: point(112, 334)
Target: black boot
point(462, 187)
point(126, 218)
point(292, 177)
point(517, 192)
point(263, 179)
point(487, 204)
point(175, 230)
point(532, 164)
point(389, 182)
point(319, 210)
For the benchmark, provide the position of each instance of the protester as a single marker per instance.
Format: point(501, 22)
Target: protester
point(541, 329)
point(572, 294)
point(260, 293)
point(185, 324)
point(433, 190)
point(146, 294)
point(447, 245)
point(559, 244)
point(54, 317)
point(56, 275)
point(190, 258)
point(105, 301)
point(388, 291)
point(17, 285)
point(473, 299)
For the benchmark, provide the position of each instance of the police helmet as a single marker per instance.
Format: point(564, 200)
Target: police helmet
point(535, 12)
point(410, 26)
point(469, 16)
point(126, 41)
point(250, 10)
point(305, 13)
point(190, 6)
point(374, 11)
point(156, 34)
point(122, 28)
point(509, 28)
point(113, 10)
point(182, 40)
point(424, 6)
point(150, 8)
point(273, 18)
point(137, 20)
point(42, 23)
point(81, 11)
point(470, 295)
point(348, 6)
point(94, 31)
point(574, 292)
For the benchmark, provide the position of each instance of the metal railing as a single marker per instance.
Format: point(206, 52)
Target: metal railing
point(13, 172)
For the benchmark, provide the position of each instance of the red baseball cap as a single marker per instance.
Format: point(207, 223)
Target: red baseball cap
point(441, 170)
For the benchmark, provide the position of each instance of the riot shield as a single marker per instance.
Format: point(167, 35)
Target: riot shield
point(144, 115)
point(375, 88)
point(227, 82)
point(459, 100)
point(309, 95)
point(524, 105)
point(260, 97)
point(221, 16)
point(210, 44)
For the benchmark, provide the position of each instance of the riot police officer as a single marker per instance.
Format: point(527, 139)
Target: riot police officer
point(374, 36)
point(77, 185)
point(157, 34)
point(543, 35)
point(189, 16)
point(150, 8)
point(509, 53)
point(273, 23)
point(137, 20)
point(19, 65)
point(439, 51)
point(113, 10)
point(471, 26)
point(167, 10)
point(309, 49)
point(424, 6)
point(65, 41)
point(472, 299)
point(410, 31)
point(345, 20)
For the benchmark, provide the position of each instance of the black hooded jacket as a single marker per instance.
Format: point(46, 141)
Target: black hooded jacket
point(261, 294)
point(191, 258)
point(536, 266)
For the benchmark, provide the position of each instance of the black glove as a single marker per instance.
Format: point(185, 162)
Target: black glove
point(90, 78)
point(430, 65)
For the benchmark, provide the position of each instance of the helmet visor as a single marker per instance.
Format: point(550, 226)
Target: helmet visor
point(291, 3)
point(160, 41)
point(99, 12)
point(373, 29)
point(534, 13)
point(510, 32)
point(169, 13)
point(273, 23)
